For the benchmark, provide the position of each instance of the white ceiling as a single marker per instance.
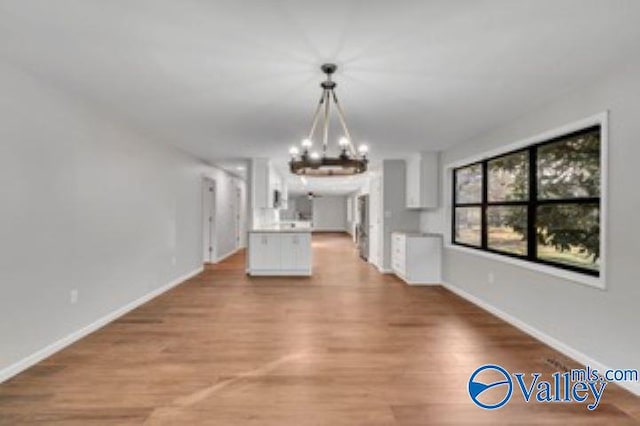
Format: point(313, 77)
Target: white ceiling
point(235, 166)
point(240, 78)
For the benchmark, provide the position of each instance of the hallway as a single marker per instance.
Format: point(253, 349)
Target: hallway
point(348, 346)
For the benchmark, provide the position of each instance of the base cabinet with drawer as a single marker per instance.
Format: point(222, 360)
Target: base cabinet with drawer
point(279, 253)
point(416, 258)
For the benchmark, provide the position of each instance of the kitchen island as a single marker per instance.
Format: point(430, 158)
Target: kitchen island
point(280, 251)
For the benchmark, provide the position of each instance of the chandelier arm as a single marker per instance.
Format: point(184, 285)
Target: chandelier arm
point(325, 136)
point(316, 116)
point(340, 112)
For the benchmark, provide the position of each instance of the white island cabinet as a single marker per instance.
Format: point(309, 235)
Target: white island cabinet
point(279, 252)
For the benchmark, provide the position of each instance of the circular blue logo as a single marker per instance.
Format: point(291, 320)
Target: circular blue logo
point(476, 388)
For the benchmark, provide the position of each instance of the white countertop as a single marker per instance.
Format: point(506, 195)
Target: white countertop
point(281, 230)
point(418, 234)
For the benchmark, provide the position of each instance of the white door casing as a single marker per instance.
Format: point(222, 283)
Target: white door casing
point(209, 220)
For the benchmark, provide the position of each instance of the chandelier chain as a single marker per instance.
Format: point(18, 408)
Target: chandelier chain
point(325, 131)
point(316, 116)
point(340, 112)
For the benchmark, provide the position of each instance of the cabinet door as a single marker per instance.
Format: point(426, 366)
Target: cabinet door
point(422, 181)
point(257, 250)
point(288, 251)
point(429, 180)
point(295, 252)
point(264, 252)
point(273, 247)
point(413, 182)
point(303, 251)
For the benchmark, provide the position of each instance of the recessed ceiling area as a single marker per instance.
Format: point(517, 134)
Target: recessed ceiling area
point(229, 79)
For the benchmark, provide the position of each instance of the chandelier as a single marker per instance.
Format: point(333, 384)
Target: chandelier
point(310, 162)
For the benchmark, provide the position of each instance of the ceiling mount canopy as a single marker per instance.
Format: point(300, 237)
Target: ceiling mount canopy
point(348, 160)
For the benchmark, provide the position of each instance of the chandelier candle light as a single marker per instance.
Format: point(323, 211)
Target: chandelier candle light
point(311, 163)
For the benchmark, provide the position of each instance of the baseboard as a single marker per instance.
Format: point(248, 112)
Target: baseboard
point(378, 267)
point(581, 358)
point(229, 254)
point(54, 347)
point(414, 283)
point(280, 273)
point(383, 270)
point(420, 283)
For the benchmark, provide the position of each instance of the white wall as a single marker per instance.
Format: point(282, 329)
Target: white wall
point(330, 213)
point(290, 212)
point(242, 208)
point(87, 204)
point(376, 229)
point(352, 214)
point(304, 205)
point(602, 325)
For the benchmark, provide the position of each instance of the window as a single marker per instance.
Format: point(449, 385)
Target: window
point(540, 203)
point(468, 210)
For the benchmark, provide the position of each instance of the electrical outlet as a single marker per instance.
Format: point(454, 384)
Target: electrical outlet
point(491, 278)
point(174, 260)
point(73, 296)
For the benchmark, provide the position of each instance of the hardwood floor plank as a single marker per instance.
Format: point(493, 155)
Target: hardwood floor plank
point(348, 346)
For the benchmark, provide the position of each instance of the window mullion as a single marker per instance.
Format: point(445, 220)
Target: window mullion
point(532, 237)
point(483, 211)
point(453, 210)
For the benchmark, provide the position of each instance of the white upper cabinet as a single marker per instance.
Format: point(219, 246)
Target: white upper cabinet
point(422, 181)
point(266, 184)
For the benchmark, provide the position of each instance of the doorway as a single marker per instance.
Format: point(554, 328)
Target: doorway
point(209, 220)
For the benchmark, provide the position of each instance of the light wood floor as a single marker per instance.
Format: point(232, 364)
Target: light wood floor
point(346, 347)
